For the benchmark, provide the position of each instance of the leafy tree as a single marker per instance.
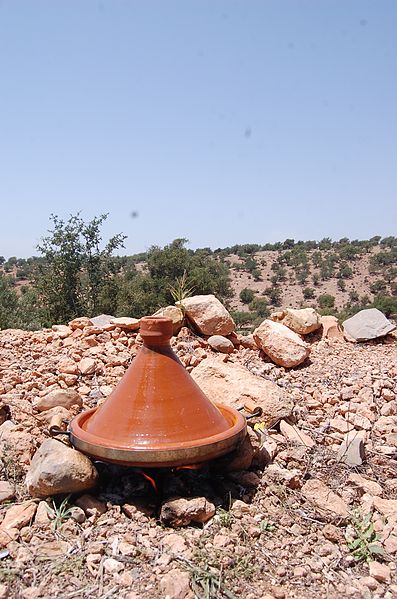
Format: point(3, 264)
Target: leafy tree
point(308, 293)
point(247, 295)
point(326, 300)
point(386, 304)
point(72, 279)
point(377, 286)
point(345, 272)
point(8, 303)
point(274, 294)
point(353, 296)
point(341, 284)
point(259, 305)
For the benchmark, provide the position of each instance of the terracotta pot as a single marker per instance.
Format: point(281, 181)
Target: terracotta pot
point(157, 415)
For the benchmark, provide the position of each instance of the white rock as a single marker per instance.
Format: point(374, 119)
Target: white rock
point(176, 315)
point(283, 346)
point(57, 468)
point(65, 398)
point(234, 385)
point(208, 315)
point(221, 344)
point(302, 321)
point(130, 324)
point(368, 324)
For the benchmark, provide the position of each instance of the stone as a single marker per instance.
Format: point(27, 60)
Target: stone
point(61, 330)
point(129, 324)
point(365, 485)
point(176, 314)
point(57, 468)
point(19, 515)
point(323, 498)
point(91, 505)
point(331, 329)
point(175, 543)
point(283, 346)
point(352, 451)
point(381, 572)
point(65, 398)
point(80, 323)
point(112, 566)
point(292, 433)
point(87, 366)
point(302, 321)
point(7, 491)
point(234, 385)
point(386, 507)
point(104, 322)
point(208, 315)
point(175, 584)
point(368, 324)
point(42, 517)
point(181, 512)
point(221, 344)
point(4, 591)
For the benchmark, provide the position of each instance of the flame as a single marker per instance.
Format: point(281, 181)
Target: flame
point(190, 467)
point(150, 479)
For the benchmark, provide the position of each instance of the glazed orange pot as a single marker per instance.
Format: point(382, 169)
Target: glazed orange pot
point(157, 415)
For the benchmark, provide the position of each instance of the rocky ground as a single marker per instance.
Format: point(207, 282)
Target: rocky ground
point(308, 508)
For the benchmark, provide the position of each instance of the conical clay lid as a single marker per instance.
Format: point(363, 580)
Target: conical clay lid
point(156, 406)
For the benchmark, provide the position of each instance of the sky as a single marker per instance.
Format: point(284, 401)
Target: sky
point(221, 121)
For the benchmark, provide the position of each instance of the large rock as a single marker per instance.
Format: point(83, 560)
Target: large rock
point(180, 511)
point(60, 397)
point(331, 328)
point(303, 321)
point(283, 346)
point(57, 468)
point(368, 324)
point(125, 322)
point(208, 315)
point(221, 344)
point(176, 315)
point(234, 385)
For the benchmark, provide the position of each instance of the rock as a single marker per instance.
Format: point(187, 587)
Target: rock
point(381, 572)
point(208, 315)
point(365, 485)
point(16, 445)
point(283, 346)
point(19, 515)
point(180, 511)
point(368, 324)
point(129, 324)
point(248, 342)
point(352, 451)
point(239, 459)
point(66, 398)
point(62, 330)
point(112, 566)
point(233, 385)
point(42, 517)
point(323, 498)
point(175, 544)
point(331, 329)
point(292, 433)
point(386, 507)
point(91, 505)
point(221, 344)
point(87, 366)
point(175, 584)
point(7, 491)
point(4, 591)
point(80, 323)
point(302, 321)
point(176, 315)
point(57, 468)
point(104, 322)
point(290, 477)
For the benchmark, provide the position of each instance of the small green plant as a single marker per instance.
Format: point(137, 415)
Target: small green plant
point(182, 289)
point(364, 546)
point(206, 581)
point(224, 518)
point(60, 513)
point(267, 526)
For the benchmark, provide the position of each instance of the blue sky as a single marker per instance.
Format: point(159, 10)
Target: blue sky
point(222, 121)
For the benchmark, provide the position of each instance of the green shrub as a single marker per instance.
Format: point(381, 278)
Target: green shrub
point(247, 295)
point(326, 300)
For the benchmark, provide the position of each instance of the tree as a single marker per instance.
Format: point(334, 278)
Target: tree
point(308, 293)
point(8, 303)
point(259, 305)
point(341, 284)
point(73, 277)
point(326, 300)
point(247, 295)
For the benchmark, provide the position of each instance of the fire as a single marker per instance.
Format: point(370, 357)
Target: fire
point(150, 479)
point(190, 467)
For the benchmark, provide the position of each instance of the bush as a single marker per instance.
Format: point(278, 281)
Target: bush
point(326, 301)
point(341, 285)
point(308, 293)
point(247, 295)
point(259, 305)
